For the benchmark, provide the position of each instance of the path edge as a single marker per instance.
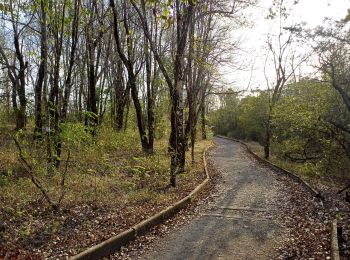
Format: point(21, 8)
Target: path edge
point(334, 240)
point(295, 177)
point(114, 243)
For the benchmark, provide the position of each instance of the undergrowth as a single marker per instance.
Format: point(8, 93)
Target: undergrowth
point(107, 173)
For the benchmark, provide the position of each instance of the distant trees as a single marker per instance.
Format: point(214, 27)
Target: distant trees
point(243, 118)
point(308, 124)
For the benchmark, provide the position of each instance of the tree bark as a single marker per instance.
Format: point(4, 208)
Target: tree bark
point(54, 93)
point(21, 91)
point(176, 139)
point(42, 71)
point(91, 119)
point(203, 128)
point(129, 64)
point(74, 39)
point(121, 94)
point(150, 99)
point(268, 134)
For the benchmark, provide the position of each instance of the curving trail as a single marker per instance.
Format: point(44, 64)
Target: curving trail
point(241, 222)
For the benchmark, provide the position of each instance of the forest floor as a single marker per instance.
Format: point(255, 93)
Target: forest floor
point(111, 185)
point(254, 213)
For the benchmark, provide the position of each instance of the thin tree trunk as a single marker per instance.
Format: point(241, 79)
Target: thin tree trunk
point(139, 116)
point(203, 128)
point(91, 119)
point(120, 97)
point(68, 82)
point(129, 64)
point(150, 99)
point(8, 98)
point(176, 140)
point(42, 72)
point(21, 112)
point(127, 111)
point(55, 91)
point(268, 136)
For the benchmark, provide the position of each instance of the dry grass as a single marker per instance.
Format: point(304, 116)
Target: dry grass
point(110, 185)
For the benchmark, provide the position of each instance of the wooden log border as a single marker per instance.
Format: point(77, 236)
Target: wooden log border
point(114, 243)
point(334, 241)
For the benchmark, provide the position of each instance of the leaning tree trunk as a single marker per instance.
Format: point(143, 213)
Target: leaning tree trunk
point(138, 109)
point(129, 64)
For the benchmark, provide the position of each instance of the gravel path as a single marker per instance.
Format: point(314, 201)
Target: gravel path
point(240, 223)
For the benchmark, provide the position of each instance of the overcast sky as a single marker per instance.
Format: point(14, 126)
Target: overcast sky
point(253, 40)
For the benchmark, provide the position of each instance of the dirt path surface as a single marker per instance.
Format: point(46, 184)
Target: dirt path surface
point(241, 222)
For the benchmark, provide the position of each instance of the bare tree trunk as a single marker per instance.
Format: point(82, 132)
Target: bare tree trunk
point(121, 93)
point(267, 145)
point(93, 51)
point(21, 91)
point(80, 96)
point(268, 134)
point(127, 101)
point(74, 39)
point(55, 91)
point(150, 99)
point(42, 71)
point(140, 123)
point(7, 98)
point(91, 119)
point(129, 64)
point(14, 95)
point(176, 139)
point(203, 128)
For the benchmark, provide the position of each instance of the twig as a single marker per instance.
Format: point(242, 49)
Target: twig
point(36, 182)
point(63, 189)
point(343, 189)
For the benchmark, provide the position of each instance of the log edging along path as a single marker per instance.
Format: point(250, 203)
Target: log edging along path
point(334, 240)
point(295, 177)
point(114, 243)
